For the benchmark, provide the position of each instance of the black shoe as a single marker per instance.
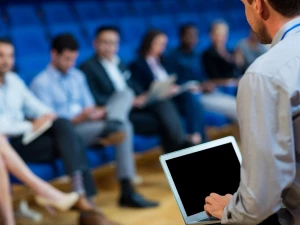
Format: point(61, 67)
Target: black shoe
point(136, 201)
point(112, 134)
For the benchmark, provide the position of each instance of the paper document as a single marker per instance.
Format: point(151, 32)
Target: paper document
point(32, 135)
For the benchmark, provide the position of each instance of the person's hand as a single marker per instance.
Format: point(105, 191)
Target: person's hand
point(239, 58)
point(37, 123)
point(208, 87)
point(140, 101)
point(83, 116)
point(96, 113)
point(215, 204)
point(174, 90)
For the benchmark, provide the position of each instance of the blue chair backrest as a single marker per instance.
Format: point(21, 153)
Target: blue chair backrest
point(57, 13)
point(23, 15)
point(30, 41)
point(89, 10)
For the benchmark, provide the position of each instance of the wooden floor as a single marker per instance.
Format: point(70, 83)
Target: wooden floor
point(154, 186)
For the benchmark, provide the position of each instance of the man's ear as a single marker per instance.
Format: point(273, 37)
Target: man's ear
point(53, 53)
point(261, 8)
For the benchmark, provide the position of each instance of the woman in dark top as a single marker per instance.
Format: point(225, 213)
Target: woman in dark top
point(151, 66)
point(218, 62)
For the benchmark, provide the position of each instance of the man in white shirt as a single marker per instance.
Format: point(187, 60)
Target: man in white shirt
point(22, 112)
point(268, 110)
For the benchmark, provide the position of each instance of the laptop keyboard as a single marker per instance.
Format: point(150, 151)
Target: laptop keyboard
point(209, 219)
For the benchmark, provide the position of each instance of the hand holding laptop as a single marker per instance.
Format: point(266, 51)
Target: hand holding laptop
point(215, 204)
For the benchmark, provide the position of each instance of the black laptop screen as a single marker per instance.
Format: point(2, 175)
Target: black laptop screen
point(198, 174)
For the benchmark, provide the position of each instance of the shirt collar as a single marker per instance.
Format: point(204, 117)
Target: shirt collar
point(115, 60)
point(289, 28)
point(56, 73)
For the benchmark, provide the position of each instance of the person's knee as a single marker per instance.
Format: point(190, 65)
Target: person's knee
point(62, 124)
point(2, 163)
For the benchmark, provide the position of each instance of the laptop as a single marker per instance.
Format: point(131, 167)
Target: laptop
point(194, 173)
point(159, 90)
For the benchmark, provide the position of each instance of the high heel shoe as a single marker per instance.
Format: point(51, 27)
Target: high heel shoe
point(69, 201)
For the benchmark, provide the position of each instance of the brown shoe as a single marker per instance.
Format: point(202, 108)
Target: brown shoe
point(112, 133)
point(94, 218)
point(83, 204)
point(113, 138)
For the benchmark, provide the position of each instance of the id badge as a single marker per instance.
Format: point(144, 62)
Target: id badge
point(75, 108)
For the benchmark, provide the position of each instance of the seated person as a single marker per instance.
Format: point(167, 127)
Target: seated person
point(151, 66)
point(250, 48)
point(46, 195)
point(70, 97)
point(188, 67)
point(59, 141)
point(219, 63)
point(107, 75)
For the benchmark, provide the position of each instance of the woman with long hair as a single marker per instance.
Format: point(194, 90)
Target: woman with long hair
point(152, 66)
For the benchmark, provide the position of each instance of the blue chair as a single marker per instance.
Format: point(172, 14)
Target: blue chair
point(214, 119)
point(127, 53)
point(89, 11)
point(144, 143)
point(91, 27)
point(237, 19)
point(73, 29)
point(187, 18)
point(30, 41)
point(146, 7)
point(57, 13)
point(132, 29)
point(46, 171)
point(29, 67)
point(84, 54)
point(171, 7)
point(3, 27)
point(235, 37)
point(117, 9)
point(23, 15)
point(166, 24)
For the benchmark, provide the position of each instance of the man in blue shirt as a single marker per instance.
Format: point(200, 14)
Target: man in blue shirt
point(189, 67)
point(70, 97)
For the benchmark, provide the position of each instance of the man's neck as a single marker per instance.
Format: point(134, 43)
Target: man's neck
point(276, 24)
point(2, 76)
point(186, 49)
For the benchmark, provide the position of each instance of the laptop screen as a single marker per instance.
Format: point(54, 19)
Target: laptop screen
point(199, 174)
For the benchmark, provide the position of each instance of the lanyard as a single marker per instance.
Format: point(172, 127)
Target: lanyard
point(289, 30)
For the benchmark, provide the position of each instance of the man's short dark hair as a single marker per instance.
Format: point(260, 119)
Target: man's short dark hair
point(287, 8)
point(64, 42)
point(4, 40)
point(184, 28)
point(102, 29)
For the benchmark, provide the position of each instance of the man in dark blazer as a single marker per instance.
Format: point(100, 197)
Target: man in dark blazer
point(106, 75)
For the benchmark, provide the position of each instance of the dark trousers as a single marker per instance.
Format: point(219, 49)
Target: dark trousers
point(160, 118)
point(190, 107)
point(272, 220)
point(60, 141)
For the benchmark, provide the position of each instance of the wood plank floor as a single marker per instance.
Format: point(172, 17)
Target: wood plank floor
point(154, 186)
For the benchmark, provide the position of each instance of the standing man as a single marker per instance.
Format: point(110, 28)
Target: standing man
point(64, 89)
point(268, 110)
